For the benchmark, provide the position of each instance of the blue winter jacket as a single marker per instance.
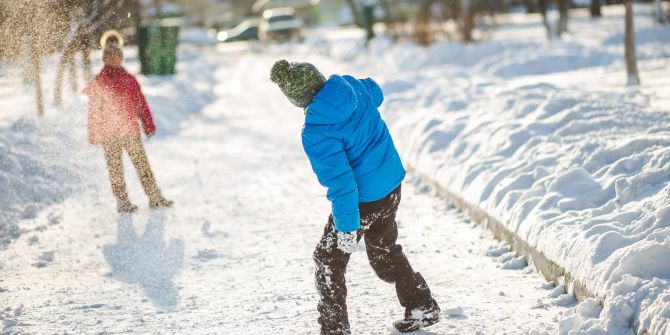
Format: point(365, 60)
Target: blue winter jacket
point(349, 147)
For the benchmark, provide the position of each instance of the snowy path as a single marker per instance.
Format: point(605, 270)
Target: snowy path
point(234, 255)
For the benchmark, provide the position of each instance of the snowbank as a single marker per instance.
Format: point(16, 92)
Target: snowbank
point(39, 166)
point(547, 139)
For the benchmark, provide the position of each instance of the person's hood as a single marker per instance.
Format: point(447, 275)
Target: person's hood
point(334, 103)
point(112, 70)
point(105, 74)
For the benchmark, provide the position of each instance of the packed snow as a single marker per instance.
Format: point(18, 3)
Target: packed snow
point(234, 255)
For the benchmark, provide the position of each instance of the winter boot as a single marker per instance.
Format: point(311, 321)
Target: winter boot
point(418, 317)
point(125, 206)
point(159, 201)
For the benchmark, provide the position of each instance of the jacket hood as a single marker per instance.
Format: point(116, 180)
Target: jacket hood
point(111, 70)
point(105, 74)
point(334, 103)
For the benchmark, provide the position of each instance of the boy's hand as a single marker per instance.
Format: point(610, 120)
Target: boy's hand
point(346, 242)
point(149, 135)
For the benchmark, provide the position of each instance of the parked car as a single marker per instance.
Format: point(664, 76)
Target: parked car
point(280, 24)
point(245, 31)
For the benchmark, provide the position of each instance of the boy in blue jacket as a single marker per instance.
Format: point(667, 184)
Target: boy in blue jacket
point(352, 154)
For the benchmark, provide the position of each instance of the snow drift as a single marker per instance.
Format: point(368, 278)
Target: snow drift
point(545, 137)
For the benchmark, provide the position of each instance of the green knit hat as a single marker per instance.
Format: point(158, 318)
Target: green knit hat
point(299, 81)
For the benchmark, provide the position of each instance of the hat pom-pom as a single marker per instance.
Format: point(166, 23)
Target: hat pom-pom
point(280, 71)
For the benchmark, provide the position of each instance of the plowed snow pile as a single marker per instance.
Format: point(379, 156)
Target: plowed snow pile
point(546, 137)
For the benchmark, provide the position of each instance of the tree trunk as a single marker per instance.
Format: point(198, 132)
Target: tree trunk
point(595, 8)
point(355, 13)
point(388, 20)
point(631, 60)
point(563, 6)
point(60, 74)
point(36, 78)
point(72, 64)
point(88, 67)
point(158, 5)
point(58, 85)
point(137, 9)
point(542, 5)
point(662, 16)
point(84, 46)
point(467, 22)
point(530, 6)
point(422, 34)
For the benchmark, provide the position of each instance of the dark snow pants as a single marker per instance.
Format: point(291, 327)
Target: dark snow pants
point(380, 231)
point(113, 156)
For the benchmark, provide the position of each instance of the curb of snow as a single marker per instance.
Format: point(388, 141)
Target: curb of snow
point(548, 268)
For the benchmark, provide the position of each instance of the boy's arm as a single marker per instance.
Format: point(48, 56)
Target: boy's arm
point(143, 111)
point(374, 90)
point(331, 166)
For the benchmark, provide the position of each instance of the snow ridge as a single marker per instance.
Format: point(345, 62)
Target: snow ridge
point(546, 138)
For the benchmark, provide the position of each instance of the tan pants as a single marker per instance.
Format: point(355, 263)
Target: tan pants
point(135, 149)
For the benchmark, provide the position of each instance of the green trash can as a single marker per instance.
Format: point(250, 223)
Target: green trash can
point(158, 49)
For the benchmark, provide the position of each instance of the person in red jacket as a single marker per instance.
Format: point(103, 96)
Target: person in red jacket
point(115, 103)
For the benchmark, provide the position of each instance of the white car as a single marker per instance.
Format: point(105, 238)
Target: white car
point(280, 24)
point(245, 31)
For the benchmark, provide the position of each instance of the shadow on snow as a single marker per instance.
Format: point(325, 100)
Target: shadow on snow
point(146, 259)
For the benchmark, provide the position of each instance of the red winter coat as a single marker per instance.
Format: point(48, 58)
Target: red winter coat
point(115, 103)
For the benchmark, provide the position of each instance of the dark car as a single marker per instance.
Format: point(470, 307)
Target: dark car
point(245, 31)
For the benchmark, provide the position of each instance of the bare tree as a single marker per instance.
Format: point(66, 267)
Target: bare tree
point(389, 20)
point(631, 59)
point(466, 21)
point(422, 31)
point(158, 5)
point(562, 25)
point(530, 6)
point(29, 30)
point(87, 19)
point(542, 6)
point(563, 6)
point(660, 14)
point(355, 13)
point(36, 77)
point(596, 8)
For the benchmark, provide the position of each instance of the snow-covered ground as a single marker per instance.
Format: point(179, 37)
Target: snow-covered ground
point(543, 135)
point(546, 137)
point(234, 254)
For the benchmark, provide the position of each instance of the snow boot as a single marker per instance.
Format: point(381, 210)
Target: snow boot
point(159, 202)
point(125, 206)
point(419, 317)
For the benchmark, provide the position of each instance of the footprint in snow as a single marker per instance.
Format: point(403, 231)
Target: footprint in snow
point(205, 229)
point(205, 255)
point(44, 259)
